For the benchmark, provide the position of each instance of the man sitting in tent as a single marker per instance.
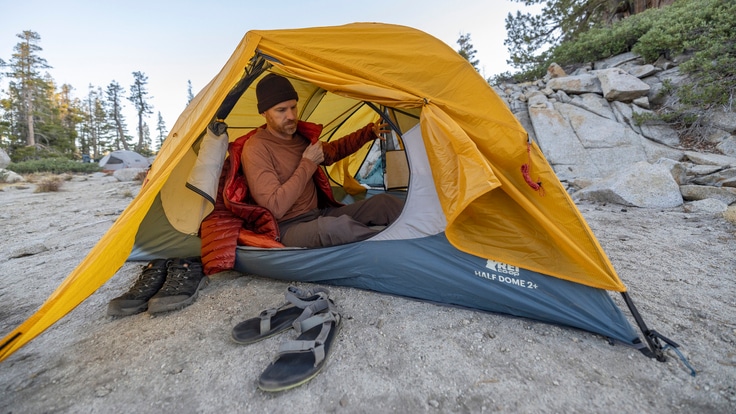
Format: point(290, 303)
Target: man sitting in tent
point(281, 163)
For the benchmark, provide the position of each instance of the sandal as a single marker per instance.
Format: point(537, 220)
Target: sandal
point(302, 359)
point(301, 303)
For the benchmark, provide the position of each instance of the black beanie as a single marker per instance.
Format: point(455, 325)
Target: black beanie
point(272, 90)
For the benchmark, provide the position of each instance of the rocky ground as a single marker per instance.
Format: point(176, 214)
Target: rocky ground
point(393, 354)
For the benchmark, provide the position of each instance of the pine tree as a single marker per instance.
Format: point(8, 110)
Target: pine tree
point(94, 128)
point(114, 94)
point(145, 149)
point(466, 50)
point(190, 95)
point(529, 37)
point(101, 128)
point(57, 116)
point(161, 130)
point(139, 98)
point(70, 115)
point(26, 86)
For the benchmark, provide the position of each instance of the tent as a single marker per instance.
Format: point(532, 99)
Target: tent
point(120, 159)
point(486, 225)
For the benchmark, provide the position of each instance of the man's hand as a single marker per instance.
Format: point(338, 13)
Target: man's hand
point(314, 153)
point(380, 130)
point(218, 127)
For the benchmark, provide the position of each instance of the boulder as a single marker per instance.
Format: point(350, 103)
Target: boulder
point(674, 78)
point(8, 176)
point(677, 169)
point(558, 141)
point(610, 146)
point(4, 159)
point(642, 102)
point(692, 192)
point(710, 159)
point(643, 71)
point(576, 84)
point(715, 177)
point(728, 147)
point(641, 185)
point(656, 151)
point(591, 102)
point(598, 129)
point(716, 136)
point(618, 85)
point(555, 71)
point(707, 206)
point(129, 174)
point(618, 60)
point(655, 130)
point(725, 120)
point(624, 114)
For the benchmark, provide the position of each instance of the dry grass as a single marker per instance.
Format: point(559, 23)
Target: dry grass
point(141, 176)
point(730, 214)
point(50, 183)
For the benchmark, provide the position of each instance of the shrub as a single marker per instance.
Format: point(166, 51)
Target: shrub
point(54, 166)
point(603, 42)
point(713, 42)
point(703, 25)
point(49, 184)
point(141, 176)
point(34, 152)
point(704, 30)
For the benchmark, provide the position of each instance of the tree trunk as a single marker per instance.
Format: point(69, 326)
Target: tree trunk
point(121, 133)
point(139, 147)
point(31, 138)
point(623, 9)
point(638, 6)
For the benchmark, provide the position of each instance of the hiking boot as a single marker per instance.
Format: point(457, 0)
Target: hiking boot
point(184, 279)
point(135, 300)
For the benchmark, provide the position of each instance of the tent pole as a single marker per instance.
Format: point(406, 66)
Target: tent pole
point(651, 336)
point(256, 66)
point(385, 117)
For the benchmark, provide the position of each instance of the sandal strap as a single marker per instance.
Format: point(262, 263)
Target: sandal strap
point(316, 345)
point(266, 316)
point(309, 312)
point(295, 296)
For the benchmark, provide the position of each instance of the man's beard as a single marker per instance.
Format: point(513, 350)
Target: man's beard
point(288, 128)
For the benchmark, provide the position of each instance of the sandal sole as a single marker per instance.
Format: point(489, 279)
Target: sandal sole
point(328, 352)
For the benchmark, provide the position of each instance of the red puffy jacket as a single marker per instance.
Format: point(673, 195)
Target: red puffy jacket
point(236, 218)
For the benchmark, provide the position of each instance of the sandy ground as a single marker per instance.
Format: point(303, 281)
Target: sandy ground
point(392, 355)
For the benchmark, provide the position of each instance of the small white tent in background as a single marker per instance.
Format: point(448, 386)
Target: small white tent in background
point(120, 159)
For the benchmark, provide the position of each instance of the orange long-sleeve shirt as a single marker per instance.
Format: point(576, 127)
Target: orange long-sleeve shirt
point(280, 179)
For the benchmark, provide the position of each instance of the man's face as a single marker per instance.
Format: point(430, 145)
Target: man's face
point(282, 117)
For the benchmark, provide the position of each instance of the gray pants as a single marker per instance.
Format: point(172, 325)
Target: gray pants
point(340, 225)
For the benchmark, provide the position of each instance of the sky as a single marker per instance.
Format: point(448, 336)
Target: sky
point(176, 42)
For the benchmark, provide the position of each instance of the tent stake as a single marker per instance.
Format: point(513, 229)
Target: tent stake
point(651, 336)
